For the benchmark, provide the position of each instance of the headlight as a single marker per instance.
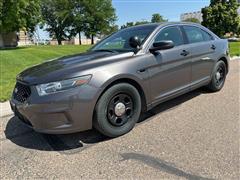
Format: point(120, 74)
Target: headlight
point(53, 87)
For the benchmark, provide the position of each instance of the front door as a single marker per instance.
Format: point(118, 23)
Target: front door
point(171, 70)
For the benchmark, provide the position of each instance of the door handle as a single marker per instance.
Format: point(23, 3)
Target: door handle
point(184, 53)
point(141, 70)
point(213, 47)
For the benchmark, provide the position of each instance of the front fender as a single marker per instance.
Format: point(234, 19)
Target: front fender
point(127, 78)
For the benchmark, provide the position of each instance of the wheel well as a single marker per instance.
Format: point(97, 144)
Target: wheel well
point(133, 83)
point(225, 61)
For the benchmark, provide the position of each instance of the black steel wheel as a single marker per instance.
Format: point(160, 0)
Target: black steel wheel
point(218, 77)
point(120, 109)
point(117, 110)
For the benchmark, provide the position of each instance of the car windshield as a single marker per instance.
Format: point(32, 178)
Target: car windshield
point(119, 41)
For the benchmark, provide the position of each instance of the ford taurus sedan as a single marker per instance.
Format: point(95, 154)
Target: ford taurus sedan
point(127, 73)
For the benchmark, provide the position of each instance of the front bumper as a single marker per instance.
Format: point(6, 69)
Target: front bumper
point(60, 113)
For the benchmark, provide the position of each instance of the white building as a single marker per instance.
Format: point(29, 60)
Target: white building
point(13, 39)
point(197, 15)
point(24, 38)
point(8, 39)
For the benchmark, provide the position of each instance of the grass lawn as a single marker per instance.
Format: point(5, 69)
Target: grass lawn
point(235, 48)
point(13, 61)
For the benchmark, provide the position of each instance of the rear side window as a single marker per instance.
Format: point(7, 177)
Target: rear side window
point(170, 33)
point(207, 36)
point(195, 34)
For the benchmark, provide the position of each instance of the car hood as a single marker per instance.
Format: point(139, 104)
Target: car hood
point(68, 66)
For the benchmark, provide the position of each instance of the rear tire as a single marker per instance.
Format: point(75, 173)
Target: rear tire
point(117, 110)
point(218, 77)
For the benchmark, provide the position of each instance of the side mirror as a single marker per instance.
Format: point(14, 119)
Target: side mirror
point(135, 42)
point(161, 45)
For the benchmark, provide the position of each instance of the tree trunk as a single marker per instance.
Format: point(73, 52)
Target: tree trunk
point(59, 41)
point(80, 39)
point(92, 39)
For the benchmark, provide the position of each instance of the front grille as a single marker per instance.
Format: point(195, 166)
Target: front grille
point(21, 92)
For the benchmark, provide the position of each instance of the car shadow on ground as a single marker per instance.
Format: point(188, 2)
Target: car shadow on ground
point(25, 137)
point(161, 165)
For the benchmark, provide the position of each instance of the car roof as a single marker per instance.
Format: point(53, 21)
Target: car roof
point(164, 24)
point(159, 25)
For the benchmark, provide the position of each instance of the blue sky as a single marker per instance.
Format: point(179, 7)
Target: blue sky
point(135, 10)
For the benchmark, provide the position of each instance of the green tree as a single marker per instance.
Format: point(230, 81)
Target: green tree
point(130, 24)
point(111, 29)
point(20, 14)
point(222, 17)
point(80, 22)
point(58, 16)
point(141, 22)
point(157, 18)
point(99, 16)
point(78, 19)
point(194, 20)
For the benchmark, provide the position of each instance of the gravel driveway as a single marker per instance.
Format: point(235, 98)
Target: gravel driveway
point(195, 136)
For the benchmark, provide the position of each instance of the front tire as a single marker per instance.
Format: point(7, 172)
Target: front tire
point(218, 77)
point(117, 110)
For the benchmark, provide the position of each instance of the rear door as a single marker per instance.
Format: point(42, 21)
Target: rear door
point(171, 70)
point(202, 49)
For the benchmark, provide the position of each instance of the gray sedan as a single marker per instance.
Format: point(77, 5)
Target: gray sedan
point(127, 73)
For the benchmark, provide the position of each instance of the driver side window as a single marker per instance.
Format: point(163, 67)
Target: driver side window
point(170, 33)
